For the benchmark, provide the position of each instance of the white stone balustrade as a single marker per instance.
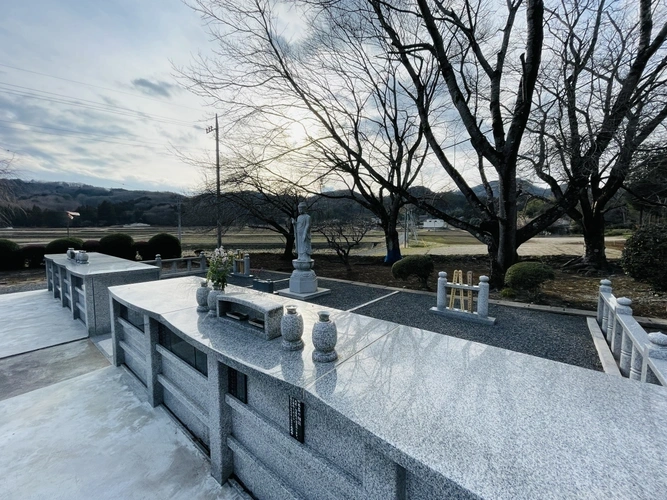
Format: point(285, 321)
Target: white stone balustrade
point(481, 315)
point(640, 355)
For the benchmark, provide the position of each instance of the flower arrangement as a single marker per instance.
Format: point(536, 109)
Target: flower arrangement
point(219, 266)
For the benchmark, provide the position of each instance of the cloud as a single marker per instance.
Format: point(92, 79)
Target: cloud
point(157, 88)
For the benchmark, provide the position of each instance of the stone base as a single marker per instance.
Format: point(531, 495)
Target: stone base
point(303, 281)
point(464, 315)
point(295, 345)
point(324, 357)
point(286, 292)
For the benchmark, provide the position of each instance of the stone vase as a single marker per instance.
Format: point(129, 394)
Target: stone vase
point(212, 300)
point(325, 336)
point(291, 329)
point(202, 297)
point(81, 257)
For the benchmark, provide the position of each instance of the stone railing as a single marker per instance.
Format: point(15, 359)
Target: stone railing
point(481, 315)
point(182, 266)
point(640, 355)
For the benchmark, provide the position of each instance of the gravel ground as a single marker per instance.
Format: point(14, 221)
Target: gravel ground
point(346, 296)
point(557, 337)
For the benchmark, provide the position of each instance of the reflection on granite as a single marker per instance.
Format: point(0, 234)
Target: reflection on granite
point(266, 356)
point(158, 297)
point(174, 302)
point(503, 424)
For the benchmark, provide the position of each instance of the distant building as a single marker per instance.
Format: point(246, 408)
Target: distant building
point(434, 224)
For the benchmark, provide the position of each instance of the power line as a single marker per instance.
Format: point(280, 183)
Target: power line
point(98, 87)
point(105, 108)
point(77, 132)
point(86, 136)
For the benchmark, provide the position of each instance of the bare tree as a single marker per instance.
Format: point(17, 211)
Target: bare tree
point(271, 203)
point(646, 184)
point(8, 205)
point(356, 122)
point(344, 236)
point(602, 95)
point(489, 62)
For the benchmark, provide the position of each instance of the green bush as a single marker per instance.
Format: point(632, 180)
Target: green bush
point(413, 265)
point(508, 293)
point(10, 257)
point(528, 276)
point(91, 245)
point(119, 245)
point(167, 245)
point(617, 232)
point(33, 255)
point(645, 256)
point(62, 244)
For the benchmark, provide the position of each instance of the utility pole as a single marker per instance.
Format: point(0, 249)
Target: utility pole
point(217, 179)
point(178, 207)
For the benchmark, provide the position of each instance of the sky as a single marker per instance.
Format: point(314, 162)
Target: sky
point(88, 93)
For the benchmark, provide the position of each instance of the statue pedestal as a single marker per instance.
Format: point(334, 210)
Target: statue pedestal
point(303, 282)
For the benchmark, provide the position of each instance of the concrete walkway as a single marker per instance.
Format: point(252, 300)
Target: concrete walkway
point(35, 320)
point(70, 425)
point(91, 438)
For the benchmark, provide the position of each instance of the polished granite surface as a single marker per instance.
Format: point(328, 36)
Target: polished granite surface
point(159, 297)
point(98, 263)
point(499, 423)
point(174, 301)
point(503, 424)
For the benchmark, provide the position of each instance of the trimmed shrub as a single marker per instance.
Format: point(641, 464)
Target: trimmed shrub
point(414, 265)
point(528, 276)
point(645, 256)
point(143, 249)
point(62, 244)
point(91, 245)
point(32, 256)
point(167, 245)
point(119, 245)
point(10, 256)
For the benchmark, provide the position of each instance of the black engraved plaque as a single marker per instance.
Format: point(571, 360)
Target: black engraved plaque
point(296, 419)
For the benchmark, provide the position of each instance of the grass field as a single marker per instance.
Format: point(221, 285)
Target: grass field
point(194, 238)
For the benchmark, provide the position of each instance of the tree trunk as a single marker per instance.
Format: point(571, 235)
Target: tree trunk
point(595, 255)
point(288, 253)
point(392, 243)
point(503, 253)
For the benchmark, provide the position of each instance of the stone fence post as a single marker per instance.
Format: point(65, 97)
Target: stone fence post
point(441, 300)
point(605, 287)
point(202, 261)
point(656, 349)
point(246, 264)
point(483, 297)
point(621, 343)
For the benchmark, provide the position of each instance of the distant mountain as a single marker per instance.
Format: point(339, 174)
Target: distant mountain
point(45, 203)
point(526, 187)
point(67, 196)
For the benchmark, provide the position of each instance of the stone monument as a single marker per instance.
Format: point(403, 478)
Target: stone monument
point(303, 282)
